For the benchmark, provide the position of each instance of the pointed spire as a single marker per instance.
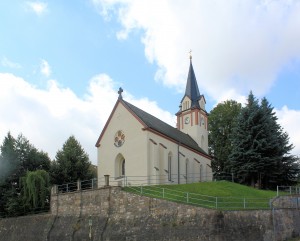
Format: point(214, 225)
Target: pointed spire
point(192, 90)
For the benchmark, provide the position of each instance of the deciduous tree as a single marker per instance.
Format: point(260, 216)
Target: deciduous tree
point(36, 189)
point(221, 122)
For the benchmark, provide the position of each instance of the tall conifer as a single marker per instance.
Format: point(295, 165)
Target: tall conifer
point(261, 150)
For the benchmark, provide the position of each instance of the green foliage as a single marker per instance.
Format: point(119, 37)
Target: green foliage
point(8, 157)
point(260, 149)
point(221, 122)
point(93, 171)
point(14, 203)
point(35, 189)
point(72, 163)
point(16, 158)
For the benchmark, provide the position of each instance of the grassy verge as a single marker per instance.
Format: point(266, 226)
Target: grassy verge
point(218, 195)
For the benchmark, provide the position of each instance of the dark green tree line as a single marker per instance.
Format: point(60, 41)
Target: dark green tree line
point(25, 173)
point(17, 157)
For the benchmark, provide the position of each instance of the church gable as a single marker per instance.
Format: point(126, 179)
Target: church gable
point(120, 118)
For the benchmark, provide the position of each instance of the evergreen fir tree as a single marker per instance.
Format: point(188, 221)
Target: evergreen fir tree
point(285, 168)
point(261, 150)
point(246, 141)
point(72, 163)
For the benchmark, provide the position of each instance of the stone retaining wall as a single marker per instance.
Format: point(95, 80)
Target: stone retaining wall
point(111, 214)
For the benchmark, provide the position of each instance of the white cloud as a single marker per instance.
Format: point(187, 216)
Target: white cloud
point(289, 120)
point(5, 62)
point(237, 45)
point(37, 7)
point(47, 117)
point(45, 68)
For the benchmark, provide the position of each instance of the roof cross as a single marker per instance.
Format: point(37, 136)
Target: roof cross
point(120, 93)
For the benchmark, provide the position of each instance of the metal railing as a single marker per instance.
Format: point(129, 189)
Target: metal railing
point(223, 203)
point(288, 190)
point(149, 186)
point(76, 186)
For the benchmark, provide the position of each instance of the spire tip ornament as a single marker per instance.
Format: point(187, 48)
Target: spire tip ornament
point(190, 55)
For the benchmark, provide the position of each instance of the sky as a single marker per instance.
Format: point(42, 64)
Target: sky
point(62, 62)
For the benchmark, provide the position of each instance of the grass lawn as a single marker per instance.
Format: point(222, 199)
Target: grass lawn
point(218, 195)
point(222, 189)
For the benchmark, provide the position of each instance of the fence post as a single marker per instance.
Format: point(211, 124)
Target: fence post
point(106, 179)
point(54, 189)
point(78, 185)
point(163, 193)
point(290, 190)
point(187, 197)
point(277, 191)
point(244, 203)
point(141, 189)
point(216, 202)
point(67, 187)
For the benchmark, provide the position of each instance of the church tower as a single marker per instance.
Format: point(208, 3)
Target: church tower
point(192, 116)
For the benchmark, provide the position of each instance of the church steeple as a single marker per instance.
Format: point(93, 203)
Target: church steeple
point(192, 90)
point(192, 117)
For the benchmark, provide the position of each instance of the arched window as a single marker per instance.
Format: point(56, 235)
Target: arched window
point(200, 173)
point(186, 170)
point(123, 168)
point(170, 166)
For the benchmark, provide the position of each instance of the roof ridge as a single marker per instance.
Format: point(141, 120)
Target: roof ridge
point(164, 128)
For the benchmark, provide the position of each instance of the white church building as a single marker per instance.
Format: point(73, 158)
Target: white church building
point(136, 148)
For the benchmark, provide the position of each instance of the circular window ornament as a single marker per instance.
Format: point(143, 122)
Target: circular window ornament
point(119, 138)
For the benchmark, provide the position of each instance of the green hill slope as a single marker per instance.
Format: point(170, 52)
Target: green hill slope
point(222, 189)
point(218, 195)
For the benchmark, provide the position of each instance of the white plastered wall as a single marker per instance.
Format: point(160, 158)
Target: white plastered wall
point(159, 149)
point(134, 149)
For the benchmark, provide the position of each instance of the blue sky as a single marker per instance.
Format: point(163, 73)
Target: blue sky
point(62, 62)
